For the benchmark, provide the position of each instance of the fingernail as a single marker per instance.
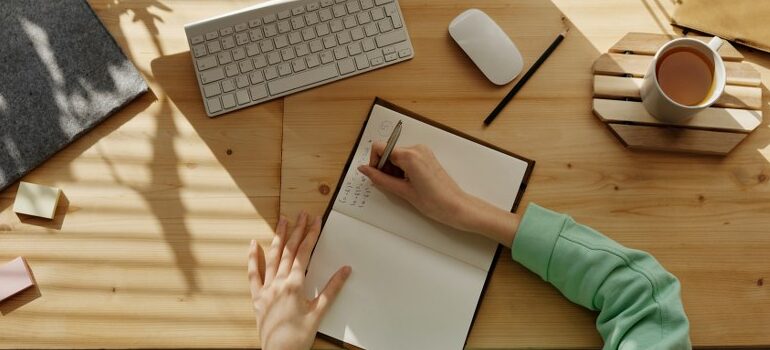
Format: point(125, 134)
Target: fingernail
point(253, 242)
point(363, 168)
point(346, 271)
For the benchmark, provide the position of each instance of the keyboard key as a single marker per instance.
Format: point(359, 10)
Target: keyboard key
point(302, 79)
point(212, 35)
point(312, 6)
point(231, 70)
point(302, 50)
point(269, 18)
point(271, 30)
point(339, 10)
point(260, 61)
point(381, 2)
point(330, 42)
point(212, 75)
point(241, 27)
point(226, 31)
point(388, 50)
point(378, 14)
point(391, 56)
point(284, 14)
point(228, 42)
point(316, 46)
point(311, 18)
point(336, 25)
point(367, 4)
point(284, 27)
point(298, 65)
point(256, 34)
point(252, 49)
point(363, 17)
point(207, 62)
point(346, 66)
point(325, 3)
point(343, 38)
point(297, 22)
point(245, 66)
point(243, 97)
point(322, 29)
point(239, 54)
point(295, 38)
point(391, 38)
point(353, 7)
point(357, 34)
point(312, 61)
point(214, 46)
point(308, 34)
point(214, 105)
point(281, 41)
point(258, 92)
point(325, 15)
point(298, 10)
point(228, 85)
point(242, 81)
point(287, 53)
point(266, 45)
point(354, 49)
point(371, 29)
point(212, 89)
point(224, 57)
point(271, 73)
point(273, 58)
point(376, 61)
point(385, 25)
point(404, 53)
point(255, 22)
point(242, 38)
point(368, 44)
point(256, 77)
point(228, 101)
point(362, 62)
point(197, 39)
point(340, 53)
point(349, 22)
point(284, 69)
point(326, 57)
point(199, 50)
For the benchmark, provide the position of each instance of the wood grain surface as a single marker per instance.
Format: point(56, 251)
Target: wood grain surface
point(148, 250)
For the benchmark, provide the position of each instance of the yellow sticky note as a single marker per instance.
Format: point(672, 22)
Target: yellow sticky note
point(36, 200)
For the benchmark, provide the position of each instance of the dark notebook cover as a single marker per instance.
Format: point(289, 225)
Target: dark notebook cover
point(61, 74)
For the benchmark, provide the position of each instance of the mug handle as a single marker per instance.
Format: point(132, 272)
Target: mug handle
point(715, 43)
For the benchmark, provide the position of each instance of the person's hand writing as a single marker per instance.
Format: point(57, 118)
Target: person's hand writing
point(429, 188)
point(286, 319)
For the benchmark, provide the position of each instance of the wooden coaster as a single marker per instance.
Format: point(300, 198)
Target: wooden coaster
point(618, 76)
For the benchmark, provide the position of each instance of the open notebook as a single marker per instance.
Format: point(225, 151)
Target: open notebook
point(416, 283)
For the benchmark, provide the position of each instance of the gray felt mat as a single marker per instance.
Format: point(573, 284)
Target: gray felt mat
point(61, 74)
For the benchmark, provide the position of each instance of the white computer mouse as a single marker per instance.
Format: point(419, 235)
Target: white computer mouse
point(487, 46)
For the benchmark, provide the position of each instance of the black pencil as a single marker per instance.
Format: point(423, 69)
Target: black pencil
point(524, 79)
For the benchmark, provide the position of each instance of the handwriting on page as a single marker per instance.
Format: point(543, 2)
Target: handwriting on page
point(356, 190)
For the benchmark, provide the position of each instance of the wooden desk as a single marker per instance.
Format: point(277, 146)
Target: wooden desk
point(150, 251)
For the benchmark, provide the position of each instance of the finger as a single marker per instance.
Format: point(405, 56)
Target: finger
point(292, 243)
point(398, 186)
point(333, 287)
point(276, 250)
point(255, 280)
point(306, 248)
point(378, 148)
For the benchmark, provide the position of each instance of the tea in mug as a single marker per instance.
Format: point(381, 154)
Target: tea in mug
point(686, 75)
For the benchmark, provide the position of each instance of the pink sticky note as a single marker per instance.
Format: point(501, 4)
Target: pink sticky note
point(14, 278)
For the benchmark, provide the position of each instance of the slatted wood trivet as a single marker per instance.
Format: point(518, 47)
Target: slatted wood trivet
point(717, 130)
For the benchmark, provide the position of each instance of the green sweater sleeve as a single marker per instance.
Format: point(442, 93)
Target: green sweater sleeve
point(637, 299)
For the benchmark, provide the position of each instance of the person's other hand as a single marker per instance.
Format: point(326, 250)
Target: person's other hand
point(429, 188)
point(286, 319)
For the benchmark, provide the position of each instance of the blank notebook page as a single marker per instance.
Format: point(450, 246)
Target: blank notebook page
point(415, 282)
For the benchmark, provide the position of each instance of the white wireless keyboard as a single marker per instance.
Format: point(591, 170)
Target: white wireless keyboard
point(282, 47)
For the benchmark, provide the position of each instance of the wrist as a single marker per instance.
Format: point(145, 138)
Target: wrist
point(480, 217)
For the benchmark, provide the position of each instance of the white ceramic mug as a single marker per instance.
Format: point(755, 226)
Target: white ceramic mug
point(662, 107)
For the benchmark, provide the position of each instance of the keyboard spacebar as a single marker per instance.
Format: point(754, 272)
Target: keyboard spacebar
point(303, 79)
